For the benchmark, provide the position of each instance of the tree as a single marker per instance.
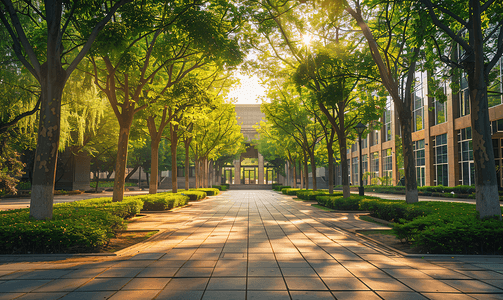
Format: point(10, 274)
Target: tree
point(215, 135)
point(395, 38)
point(288, 112)
point(334, 74)
point(28, 24)
point(475, 28)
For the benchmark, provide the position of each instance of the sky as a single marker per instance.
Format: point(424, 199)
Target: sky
point(250, 90)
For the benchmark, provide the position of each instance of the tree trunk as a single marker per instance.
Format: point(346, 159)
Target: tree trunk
point(187, 164)
point(174, 173)
point(346, 193)
point(46, 155)
point(154, 165)
point(313, 170)
point(306, 172)
point(294, 165)
point(301, 172)
point(330, 169)
point(120, 165)
point(97, 180)
point(411, 194)
point(486, 187)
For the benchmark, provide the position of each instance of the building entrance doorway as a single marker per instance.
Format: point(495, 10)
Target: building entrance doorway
point(249, 175)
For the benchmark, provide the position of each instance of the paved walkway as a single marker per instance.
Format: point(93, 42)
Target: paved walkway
point(251, 245)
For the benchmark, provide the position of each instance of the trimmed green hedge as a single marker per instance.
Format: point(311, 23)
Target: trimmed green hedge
point(162, 201)
point(311, 195)
point(290, 191)
point(220, 187)
point(208, 191)
point(193, 195)
point(432, 226)
point(80, 226)
point(279, 187)
point(72, 229)
point(126, 209)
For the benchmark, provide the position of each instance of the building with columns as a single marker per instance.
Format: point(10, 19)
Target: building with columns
point(250, 168)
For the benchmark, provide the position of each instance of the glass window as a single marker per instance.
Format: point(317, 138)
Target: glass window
point(387, 165)
point(495, 88)
point(374, 166)
point(441, 160)
point(364, 168)
point(417, 113)
point(465, 157)
point(387, 134)
point(364, 143)
point(419, 159)
point(440, 109)
point(354, 164)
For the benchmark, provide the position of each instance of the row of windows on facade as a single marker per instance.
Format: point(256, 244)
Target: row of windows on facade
point(495, 97)
point(441, 160)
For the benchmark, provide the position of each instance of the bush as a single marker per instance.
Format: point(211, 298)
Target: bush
point(220, 187)
point(209, 191)
point(311, 195)
point(280, 187)
point(339, 202)
point(72, 229)
point(126, 209)
point(392, 210)
point(289, 191)
point(193, 195)
point(163, 201)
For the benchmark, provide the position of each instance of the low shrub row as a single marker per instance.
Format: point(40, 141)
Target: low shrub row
point(311, 195)
point(208, 191)
point(222, 187)
point(80, 226)
point(279, 187)
point(289, 191)
point(162, 201)
point(433, 227)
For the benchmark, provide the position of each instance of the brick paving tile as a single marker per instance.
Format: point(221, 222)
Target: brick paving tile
point(356, 295)
point(135, 295)
point(179, 295)
point(227, 283)
point(266, 283)
point(104, 284)
point(472, 286)
point(62, 285)
point(146, 284)
point(345, 284)
point(447, 296)
point(38, 296)
point(20, 286)
point(311, 295)
point(385, 284)
point(120, 272)
point(428, 285)
point(487, 296)
point(195, 284)
point(267, 295)
point(8, 296)
point(401, 295)
point(88, 295)
point(305, 283)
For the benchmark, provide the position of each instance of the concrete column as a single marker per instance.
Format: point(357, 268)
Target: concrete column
point(237, 171)
point(260, 169)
